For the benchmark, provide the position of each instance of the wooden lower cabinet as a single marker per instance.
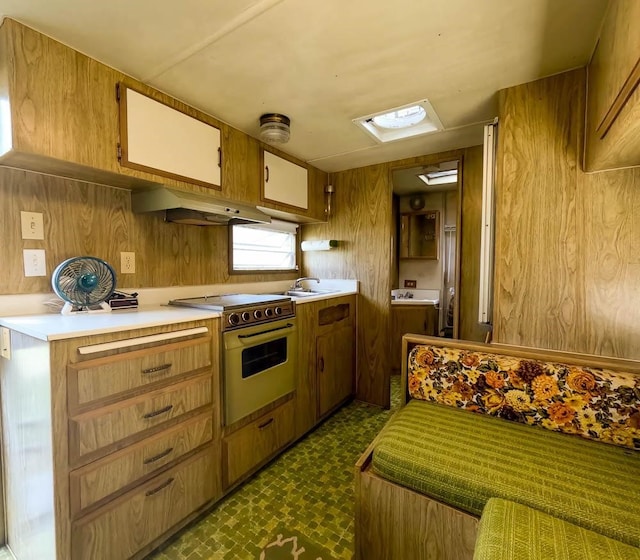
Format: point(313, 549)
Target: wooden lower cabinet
point(112, 477)
point(101, 479)
point(125, 526)
point(414, 319)
point(335, 351)
point(326, 359)
point(253, 444)
point(104, 428)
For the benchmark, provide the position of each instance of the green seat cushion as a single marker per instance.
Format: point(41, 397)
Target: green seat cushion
point(463, 459)
point(511, 531)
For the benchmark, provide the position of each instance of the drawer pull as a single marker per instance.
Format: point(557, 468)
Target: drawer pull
point(156, 369)
point(158, 412)
point(161, 487)
point(265, 424)
point(158, 456)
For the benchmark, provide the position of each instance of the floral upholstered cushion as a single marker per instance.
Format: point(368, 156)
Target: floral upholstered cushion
point(599, 404)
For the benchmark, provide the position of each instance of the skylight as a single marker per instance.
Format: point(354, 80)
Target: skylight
point(401, 118)
point(439, 177)
point(401, 122)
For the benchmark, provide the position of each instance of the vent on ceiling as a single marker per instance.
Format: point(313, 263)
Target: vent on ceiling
point(407, 121)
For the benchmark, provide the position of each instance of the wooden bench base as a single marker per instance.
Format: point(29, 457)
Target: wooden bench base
point(393, 522)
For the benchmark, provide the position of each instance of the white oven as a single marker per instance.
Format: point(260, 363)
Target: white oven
point(259, 365)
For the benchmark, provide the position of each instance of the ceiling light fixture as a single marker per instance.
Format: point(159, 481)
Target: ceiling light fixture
point(274, 128)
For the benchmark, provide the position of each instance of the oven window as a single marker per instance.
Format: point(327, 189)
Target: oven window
point(263, 356)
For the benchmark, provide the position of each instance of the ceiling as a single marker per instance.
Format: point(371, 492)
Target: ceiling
point(326, 63)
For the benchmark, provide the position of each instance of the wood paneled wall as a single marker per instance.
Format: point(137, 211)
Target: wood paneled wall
point(567, 259)
point(363, 223)
point(87, 219)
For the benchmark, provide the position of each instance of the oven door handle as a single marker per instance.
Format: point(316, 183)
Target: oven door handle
point(287, 326)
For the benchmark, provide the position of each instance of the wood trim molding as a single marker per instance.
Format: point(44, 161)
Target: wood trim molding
point(621, 99)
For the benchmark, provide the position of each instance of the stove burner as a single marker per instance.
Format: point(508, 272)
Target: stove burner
point(242, 310)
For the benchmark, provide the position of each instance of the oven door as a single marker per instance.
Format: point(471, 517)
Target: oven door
point(259, 366)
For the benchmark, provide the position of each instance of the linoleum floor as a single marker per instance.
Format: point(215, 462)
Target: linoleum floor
point(307, 489)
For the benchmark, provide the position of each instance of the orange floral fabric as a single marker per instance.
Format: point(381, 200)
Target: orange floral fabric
point(594, 403)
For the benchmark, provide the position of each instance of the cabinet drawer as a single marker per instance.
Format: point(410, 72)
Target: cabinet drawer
point(128, 524)
point(256, 442)
point(104, 427)
point(106, 377)
point(100, 479)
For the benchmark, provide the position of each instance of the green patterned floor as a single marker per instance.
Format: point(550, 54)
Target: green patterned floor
point(309, 489)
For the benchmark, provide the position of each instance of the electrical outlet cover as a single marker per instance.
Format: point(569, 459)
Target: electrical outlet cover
point(127, 263)
point(5, 343)
point(34, 262)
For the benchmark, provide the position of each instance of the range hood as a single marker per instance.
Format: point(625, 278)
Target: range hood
point(195, 209)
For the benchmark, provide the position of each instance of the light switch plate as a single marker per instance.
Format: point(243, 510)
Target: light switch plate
point(32, 225)
point(34, 262)
point(5, 343)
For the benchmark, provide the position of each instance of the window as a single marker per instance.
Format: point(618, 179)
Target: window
point(263, 246)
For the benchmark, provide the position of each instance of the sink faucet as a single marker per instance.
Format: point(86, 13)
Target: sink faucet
point(297, 285)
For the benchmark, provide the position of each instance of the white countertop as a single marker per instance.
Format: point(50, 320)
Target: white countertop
point(415, 302)
point(307, 299)
point(415, 297)
point(53, 326)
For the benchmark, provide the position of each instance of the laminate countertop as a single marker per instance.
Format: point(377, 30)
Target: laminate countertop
point(53, 326)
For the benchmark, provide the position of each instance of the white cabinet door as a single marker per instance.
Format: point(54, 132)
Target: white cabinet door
point(164, 141)
point(284, 182)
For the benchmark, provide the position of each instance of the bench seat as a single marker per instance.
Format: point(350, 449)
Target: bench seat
point(508, 530)
point(463, 459)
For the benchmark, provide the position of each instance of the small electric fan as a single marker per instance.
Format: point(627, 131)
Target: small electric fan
point(84, 283)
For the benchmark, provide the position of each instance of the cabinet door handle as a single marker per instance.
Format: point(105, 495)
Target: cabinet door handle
point(161, 487)
point(158, 456)
point(219, 157)
point(158, 412)
point(156, 369)
point(265, 424)
point(266, 172)
point(321, 364)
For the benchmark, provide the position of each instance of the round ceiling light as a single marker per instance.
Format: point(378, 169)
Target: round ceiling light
point(274, 128)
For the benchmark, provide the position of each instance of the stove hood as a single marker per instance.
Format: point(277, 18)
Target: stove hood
point(195, 209)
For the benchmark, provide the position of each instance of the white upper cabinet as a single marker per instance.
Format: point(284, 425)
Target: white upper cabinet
point(160, 139)
point(284, 182)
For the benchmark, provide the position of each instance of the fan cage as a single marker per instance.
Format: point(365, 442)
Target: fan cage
point(84, 281)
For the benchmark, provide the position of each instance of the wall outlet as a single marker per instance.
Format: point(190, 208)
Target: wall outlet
point(34, 262)
point(410, 283)
point(5, 343)
point(127, 263)
point(32, 225)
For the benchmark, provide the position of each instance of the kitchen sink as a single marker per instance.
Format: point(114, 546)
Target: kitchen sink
point(305, 293)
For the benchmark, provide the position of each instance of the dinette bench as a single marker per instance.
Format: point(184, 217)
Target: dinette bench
point(553, 432)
